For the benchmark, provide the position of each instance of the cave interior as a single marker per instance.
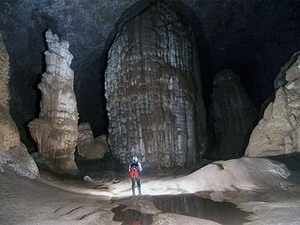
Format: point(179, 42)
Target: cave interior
point(252, 38)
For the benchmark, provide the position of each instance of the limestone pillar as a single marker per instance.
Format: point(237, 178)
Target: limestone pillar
point(56, 129)
point(232, 116)
point(153, 89)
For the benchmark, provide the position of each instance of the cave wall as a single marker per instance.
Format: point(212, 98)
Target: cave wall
point(8, 133)
point(152, 92)
point(13, 152)
point(278, 132)
point(253, 38)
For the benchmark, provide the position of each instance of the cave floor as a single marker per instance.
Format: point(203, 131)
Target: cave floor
point(62, 201)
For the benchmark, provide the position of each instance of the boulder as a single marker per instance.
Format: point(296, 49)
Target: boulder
point(88, 146)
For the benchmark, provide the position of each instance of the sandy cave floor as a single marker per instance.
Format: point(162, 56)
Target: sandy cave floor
point(62, 201)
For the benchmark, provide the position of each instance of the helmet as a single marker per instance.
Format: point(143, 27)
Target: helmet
point(135, 158)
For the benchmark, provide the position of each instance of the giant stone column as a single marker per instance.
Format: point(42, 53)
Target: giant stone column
point(153, 88)
point(232, 116)
point(56, 129)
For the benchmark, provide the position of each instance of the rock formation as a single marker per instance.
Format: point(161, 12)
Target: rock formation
point(56, 129)
point(152, 86)
point(12, 151)
point(245, 174)
point(89, 147)
point(232, 116)
point(8, 131)
point(278, 132)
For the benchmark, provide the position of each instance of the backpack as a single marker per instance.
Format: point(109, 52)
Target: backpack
point(134, 172)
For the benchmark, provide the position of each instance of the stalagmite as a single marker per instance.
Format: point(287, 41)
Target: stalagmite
point(56, 131)
point(153, 90)
point(232, 116)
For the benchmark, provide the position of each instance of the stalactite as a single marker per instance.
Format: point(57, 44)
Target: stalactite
point(152, 89)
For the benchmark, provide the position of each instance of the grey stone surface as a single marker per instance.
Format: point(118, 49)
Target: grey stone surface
point(152, 86)
point(18, 160)
point(88, 146)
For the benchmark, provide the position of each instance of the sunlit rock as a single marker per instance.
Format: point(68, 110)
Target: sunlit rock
point(13, 153)
point(153, 91)
point(56, 129)
point(89, 147)
point(232, 116)
point(278, 132)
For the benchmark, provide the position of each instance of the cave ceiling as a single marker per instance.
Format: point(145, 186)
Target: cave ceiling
point(253, 38)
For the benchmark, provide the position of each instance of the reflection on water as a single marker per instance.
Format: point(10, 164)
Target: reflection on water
point(188, 205)
point(195, 206)
point(131, 217)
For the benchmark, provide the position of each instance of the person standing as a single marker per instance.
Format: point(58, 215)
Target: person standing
point(135, 168)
